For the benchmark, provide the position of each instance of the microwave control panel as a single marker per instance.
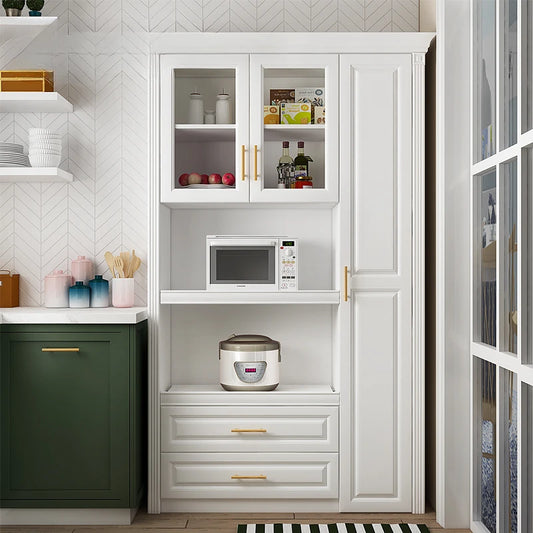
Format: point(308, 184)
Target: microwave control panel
point(288, 265)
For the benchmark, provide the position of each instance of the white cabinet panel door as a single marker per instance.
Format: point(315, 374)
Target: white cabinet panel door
point(376, 391)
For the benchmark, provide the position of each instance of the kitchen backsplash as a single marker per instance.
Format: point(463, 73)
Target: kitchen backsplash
point(100, 58)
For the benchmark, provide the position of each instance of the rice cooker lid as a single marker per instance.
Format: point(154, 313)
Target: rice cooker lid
point(249, 343)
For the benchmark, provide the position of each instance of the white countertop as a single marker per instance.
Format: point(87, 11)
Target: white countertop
point(43, 315)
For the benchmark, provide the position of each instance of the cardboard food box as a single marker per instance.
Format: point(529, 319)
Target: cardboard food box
point(271, 114)
point(26, 80)
point(296, 113)
point(320, 114)
point(281, 96)
point(9, 289)
point(311, 95)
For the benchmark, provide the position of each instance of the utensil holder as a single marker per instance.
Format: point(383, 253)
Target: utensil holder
point(122, 292)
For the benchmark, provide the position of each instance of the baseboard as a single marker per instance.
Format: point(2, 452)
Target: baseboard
point(67, 517)
point(249, 506)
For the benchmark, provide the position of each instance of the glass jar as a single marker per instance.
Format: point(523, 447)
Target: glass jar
point(303, 182)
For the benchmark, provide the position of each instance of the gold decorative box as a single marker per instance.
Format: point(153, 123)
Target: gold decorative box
point(26, 80)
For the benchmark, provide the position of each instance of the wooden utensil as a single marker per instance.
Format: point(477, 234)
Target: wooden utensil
point(127, 263)
point(119, 266)
point(110, 260)
point(135, 264)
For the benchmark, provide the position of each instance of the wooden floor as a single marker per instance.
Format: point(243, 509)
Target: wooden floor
point(227, 522)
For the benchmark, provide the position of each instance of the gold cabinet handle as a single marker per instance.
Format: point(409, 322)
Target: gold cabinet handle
point(255, 162)
point(345, 283)
point(237, 430)
point(243, 150)
point(235, 476)
point(60, 349)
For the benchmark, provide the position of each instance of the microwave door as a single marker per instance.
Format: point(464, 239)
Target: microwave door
point(243, 267)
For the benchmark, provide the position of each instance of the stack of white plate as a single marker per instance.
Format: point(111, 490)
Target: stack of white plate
point(11, 155)
point(45, 148)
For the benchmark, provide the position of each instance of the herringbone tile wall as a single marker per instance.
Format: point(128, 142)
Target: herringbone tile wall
point(99, 53)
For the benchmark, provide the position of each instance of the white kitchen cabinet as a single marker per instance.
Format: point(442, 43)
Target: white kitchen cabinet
point(345, 428)
point(248, 149)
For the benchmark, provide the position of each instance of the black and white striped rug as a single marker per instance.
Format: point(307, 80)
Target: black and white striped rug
point(332, 528)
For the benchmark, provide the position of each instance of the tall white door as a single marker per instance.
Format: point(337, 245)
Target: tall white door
point(376, 387)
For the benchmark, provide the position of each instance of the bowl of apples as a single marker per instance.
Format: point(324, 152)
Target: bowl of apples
point(194, 180)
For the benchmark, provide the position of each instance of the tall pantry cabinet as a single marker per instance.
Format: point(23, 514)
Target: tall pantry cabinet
point(344, 430)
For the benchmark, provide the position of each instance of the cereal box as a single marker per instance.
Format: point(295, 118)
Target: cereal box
point(271, 114)
point(320, 114)
point(311, 95)
point(296, 113)
point(281, 96)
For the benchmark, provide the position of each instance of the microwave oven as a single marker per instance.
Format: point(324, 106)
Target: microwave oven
point(251, 263)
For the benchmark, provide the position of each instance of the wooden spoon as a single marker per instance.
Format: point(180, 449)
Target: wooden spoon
point(135, 264)
point(110, 260)
point(119, 266)
point(127, 263)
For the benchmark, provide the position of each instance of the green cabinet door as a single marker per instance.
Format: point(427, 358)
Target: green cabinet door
point(65, 416)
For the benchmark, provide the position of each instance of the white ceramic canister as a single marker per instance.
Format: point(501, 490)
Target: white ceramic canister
point(223, 109)
point(209, 116)
point(123, 292)
point(56, 286)
point(82, 269)
point(196, 108)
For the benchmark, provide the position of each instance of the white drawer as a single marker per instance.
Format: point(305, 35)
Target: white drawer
point(249, 475)
point(266, 429)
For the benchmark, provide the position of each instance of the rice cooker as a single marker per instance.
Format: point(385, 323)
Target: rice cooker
point(249, 363)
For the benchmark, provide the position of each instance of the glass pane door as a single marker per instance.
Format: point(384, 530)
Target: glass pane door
point(204, 121)
point(485, 79)
point(509, 62)
point(294, 100)
point(527, 65)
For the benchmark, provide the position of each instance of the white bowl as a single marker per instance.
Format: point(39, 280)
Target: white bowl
point(34, 140)
point(44, 160)
point(46, 146)
point(44, 152)
point(41, 131)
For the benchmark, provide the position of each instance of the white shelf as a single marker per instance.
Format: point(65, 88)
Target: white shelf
point(33, 102)
point(24, 29)
point(320, 297)
point(205, 132)
point(34, 175)
point(295, 132)
point(43, 315)
point(283, 394)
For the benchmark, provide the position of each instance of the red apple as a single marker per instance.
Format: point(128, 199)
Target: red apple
point(215, 178)
point(184, 180)
point(194, 178)
point(205, 178)
point(228, 179)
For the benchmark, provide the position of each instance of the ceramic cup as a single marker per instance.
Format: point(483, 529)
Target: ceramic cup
point(122, 292)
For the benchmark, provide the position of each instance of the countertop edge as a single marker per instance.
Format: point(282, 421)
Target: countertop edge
point(43, 315)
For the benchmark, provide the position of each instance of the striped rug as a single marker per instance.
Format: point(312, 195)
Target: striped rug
point(332, 528)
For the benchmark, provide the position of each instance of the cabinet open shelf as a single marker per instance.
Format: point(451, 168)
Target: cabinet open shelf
point(34, 175)
point(318, 297)
point(25, 29)
point(33, 102)
point(295, 132)
point(205, 132)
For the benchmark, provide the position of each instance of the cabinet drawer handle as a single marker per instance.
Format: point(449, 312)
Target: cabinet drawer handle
point(255, 162)
point(60, 349)
point(345, 283)
point(243, 168)
point(237, 430)
point(235, 476)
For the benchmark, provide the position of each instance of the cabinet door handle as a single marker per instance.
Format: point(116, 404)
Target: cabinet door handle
point(237, 430)
point(235, 476)
point(345, 283)
point(243, 162)
point(60, 349)
point(255, 162)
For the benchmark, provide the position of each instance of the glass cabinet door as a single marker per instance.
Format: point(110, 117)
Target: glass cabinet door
point(509, 70)
point(204, 128)
point(527, 65)
point(294, 100)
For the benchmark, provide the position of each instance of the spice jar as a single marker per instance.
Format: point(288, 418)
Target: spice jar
point(303, 182)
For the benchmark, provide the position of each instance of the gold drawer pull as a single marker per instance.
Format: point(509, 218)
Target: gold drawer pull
point(235, 476)
point(243, 168)
point(237, 430)
point(255, 162)
point(60, 349)
point(345, 283)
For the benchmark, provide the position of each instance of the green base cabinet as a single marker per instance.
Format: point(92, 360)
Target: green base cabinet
point(73, 415)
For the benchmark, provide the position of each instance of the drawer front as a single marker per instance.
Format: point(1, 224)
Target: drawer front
point(249, 475)
point(249, 428)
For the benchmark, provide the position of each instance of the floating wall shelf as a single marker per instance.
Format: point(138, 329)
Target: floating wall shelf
point(34, 175)
point(33, 102)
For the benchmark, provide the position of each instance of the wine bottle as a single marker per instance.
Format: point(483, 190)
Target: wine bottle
point(285, 168)
point(301, 163)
